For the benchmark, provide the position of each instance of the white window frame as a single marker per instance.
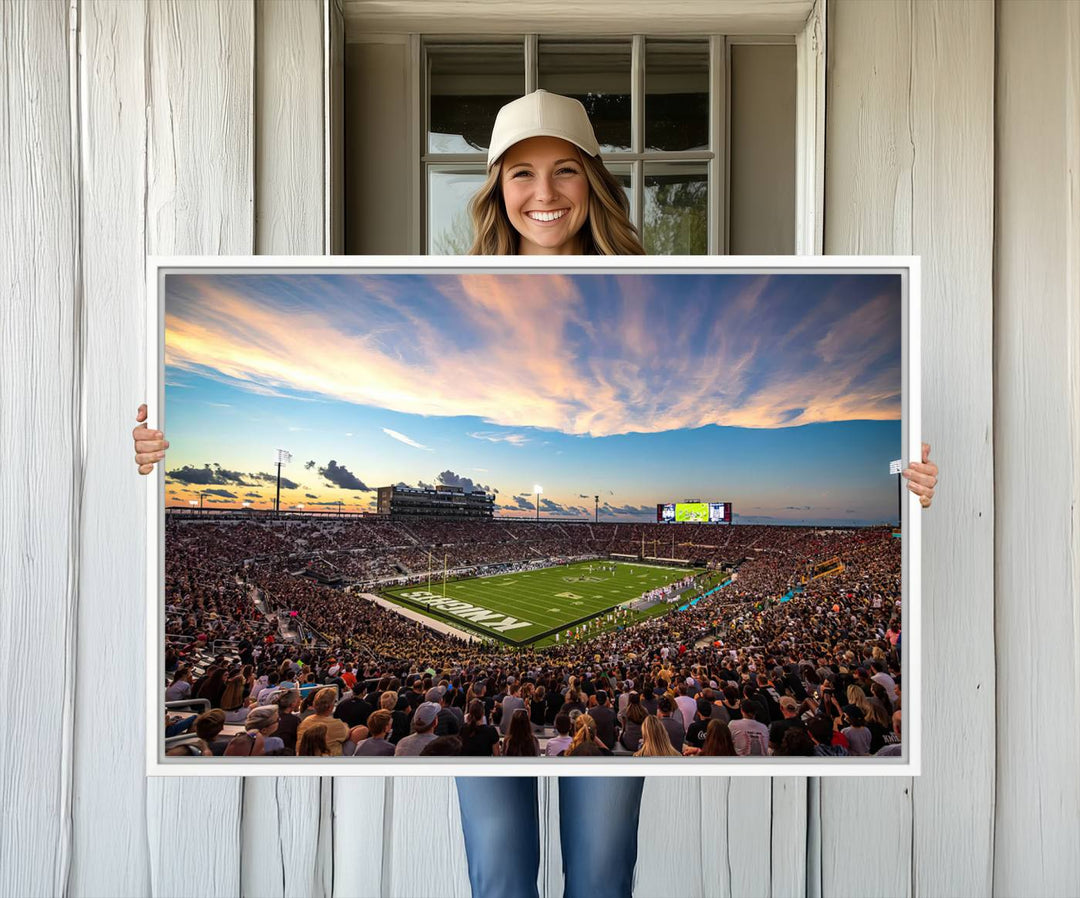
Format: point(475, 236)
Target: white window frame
point(809, 42)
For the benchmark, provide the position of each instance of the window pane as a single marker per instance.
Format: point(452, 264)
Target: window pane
point(676, 209)
point(449, 192)
point(467, 84)
point(676, 95)
point(597, 74)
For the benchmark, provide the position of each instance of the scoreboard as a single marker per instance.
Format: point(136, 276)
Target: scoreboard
point(693, 513)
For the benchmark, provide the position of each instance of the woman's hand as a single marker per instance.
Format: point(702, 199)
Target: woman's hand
point(922, 477)
point(150, 445)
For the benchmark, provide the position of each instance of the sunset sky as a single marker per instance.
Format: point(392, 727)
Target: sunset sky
point(779, 394)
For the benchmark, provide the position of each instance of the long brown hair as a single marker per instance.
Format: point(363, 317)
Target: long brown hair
point(608, 230)
point(718, 741)
point(519, 740)
point(313, 744)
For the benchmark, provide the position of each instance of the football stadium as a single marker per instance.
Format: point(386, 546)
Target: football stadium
point(507, 632)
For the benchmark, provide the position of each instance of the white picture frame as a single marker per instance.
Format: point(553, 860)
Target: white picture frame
point(909, 764)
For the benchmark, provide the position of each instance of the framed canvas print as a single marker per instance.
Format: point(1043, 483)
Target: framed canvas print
point(487, 516)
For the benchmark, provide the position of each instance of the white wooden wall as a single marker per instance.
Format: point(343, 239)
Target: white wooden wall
point(953, 132)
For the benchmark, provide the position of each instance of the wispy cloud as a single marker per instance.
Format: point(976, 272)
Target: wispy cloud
point(514, 439)
point(408, 441)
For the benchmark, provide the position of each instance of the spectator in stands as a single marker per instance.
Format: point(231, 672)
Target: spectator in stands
point(538, 707)
point(655, 741)
point(232, 696)
point(699, 728)
point(731, 702)
point(585, 741)
point(718, 741)
point(686, 705)
point(857, 733)
point(559, 743)
point(892, 745)
point(751, 738)
point(442, 746)
point(520, 741)
point(267, 691)
point(399, 729)
point(796, 743)
point(671, 720)
point(477, 738)
point(353, 711)
point(604, 716)
point(180, 688)
point(717, 711)
point(313, 742)
point(336, 731)
point(451, 719)
point(789, 708)
point(208, 727)
point(635, 718)
point(288, 703)
point(423, 725)
point(258, 737)
point(510, 703)
point(376, 744)
point(821, 731)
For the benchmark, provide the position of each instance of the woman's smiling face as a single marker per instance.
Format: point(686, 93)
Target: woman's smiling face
point(546, 195)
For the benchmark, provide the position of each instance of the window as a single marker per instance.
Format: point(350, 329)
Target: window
point(661, 109)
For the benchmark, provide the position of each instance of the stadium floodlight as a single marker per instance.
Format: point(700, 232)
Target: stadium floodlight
point(192, 503)
point(283, 457)
point(538, 490)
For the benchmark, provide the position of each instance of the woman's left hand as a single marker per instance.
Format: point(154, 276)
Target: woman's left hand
point(922, 477)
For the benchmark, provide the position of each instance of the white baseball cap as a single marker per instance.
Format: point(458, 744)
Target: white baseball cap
point(541, 114)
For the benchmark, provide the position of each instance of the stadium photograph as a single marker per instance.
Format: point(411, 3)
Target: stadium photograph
point(465, 515)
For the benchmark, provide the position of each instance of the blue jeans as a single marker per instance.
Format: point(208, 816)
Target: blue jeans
point(598, 822)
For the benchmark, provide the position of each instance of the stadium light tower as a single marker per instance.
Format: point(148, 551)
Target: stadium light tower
point(596, 510)
point(538, 490)
point(283, 458)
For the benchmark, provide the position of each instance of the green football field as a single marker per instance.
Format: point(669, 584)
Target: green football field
point(531, 606)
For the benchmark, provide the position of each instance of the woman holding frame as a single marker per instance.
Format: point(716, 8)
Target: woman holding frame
point(548, 193)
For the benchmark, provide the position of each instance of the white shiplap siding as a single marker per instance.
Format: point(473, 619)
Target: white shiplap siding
point(181, 127)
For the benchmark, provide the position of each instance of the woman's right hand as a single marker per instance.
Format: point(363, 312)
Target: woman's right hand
point(150, 445)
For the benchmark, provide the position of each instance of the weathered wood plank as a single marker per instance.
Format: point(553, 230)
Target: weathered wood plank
point(289, 129)
point(286, 851)
point(789, 816)
point(1037, 447)
point(360, 809)
point(424, 812)
point(668, 850)
point(112, 859)
point(199, 201)
point(736, 830)
point(910, 171)
point(952, 122)
point(40, 444)
point(868, 196)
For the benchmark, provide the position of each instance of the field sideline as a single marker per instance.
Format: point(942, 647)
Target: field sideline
point(521, 608)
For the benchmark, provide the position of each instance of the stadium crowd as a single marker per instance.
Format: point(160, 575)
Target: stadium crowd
point(775, 663)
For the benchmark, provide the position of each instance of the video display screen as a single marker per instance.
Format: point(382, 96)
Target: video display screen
point(693, 513)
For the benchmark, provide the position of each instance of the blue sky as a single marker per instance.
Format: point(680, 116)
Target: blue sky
point(780, 394)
